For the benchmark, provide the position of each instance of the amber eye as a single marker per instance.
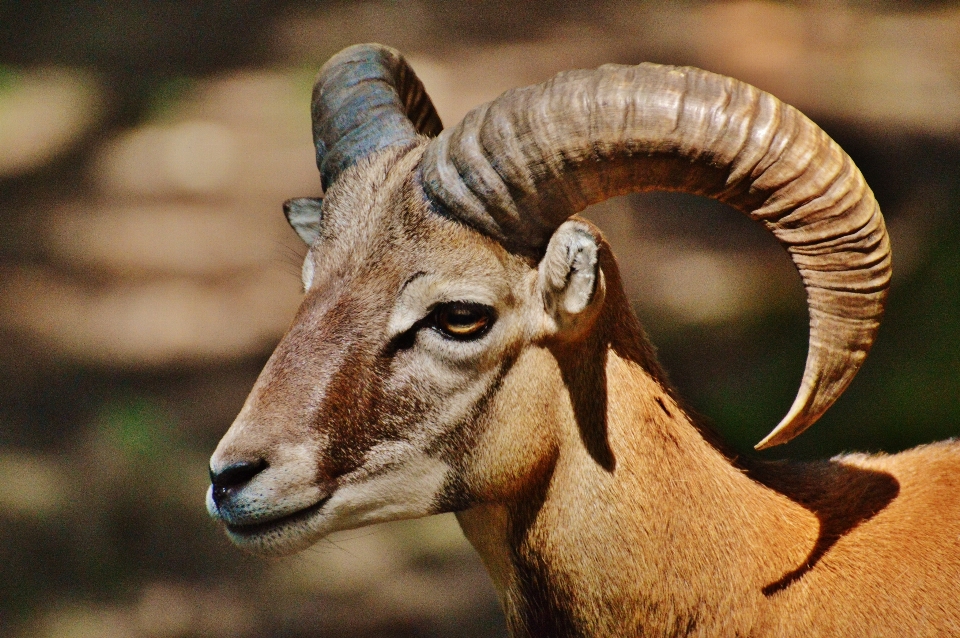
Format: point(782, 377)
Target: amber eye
point(463, 320)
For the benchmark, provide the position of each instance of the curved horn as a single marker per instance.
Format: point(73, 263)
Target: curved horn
point(518, 167)
point(366, 98)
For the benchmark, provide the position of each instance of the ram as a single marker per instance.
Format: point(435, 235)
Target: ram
point(465, 345)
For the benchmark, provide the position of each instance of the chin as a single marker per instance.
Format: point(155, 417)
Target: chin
point(281, 537)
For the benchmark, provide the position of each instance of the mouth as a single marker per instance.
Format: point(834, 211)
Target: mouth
point(253, 530)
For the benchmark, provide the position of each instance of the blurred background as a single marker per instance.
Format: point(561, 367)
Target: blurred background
point(146, 272)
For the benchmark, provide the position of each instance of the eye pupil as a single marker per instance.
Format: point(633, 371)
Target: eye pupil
point(461, 320)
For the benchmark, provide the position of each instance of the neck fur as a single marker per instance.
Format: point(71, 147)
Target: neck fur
point(644, 525)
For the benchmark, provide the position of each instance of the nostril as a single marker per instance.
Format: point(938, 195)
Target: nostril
point(234, 475)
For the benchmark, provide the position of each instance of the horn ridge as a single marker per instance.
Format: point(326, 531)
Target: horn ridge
point(367, 98)
point(518, 167)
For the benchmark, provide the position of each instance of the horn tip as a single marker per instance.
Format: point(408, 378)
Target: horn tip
point(783, 433)
point(793, 424)
point(771, 440)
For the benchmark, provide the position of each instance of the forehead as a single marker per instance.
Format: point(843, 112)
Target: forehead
point(376, 220)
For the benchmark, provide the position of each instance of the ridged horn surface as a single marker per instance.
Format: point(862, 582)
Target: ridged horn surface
point(366, 98)
point(518, 167)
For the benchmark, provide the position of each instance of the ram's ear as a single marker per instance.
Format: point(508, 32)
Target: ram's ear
point(304, 215)
point(570, 279)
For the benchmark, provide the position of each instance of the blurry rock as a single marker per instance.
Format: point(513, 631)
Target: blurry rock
point(345, 566)
point(269, 113)
point(151, 323)
point(43, 112)
point(175, 610)
point(164, 611)
point(86, 622)
point(839, 61)
point(759, 40)
point(177, 260)
point(698, 285)
point(32, 485)
point(317, 35)
point(421, 571)
point(228, 138)
point(166, 239)
point(224, 613)
point(195, 157)
point(273, 102)
point(458, 83)
point(685, 275)
point(704, 286)
point(351, 562)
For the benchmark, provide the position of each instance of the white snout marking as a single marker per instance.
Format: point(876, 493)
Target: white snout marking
point(397, 481)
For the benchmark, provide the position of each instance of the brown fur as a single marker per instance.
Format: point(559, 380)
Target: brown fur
point(599, 507)
point(644, 526)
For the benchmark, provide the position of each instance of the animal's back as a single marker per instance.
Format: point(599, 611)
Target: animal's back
point(896, 572)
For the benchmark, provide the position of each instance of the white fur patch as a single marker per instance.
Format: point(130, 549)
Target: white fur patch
point(397, 481)
point(306, 273)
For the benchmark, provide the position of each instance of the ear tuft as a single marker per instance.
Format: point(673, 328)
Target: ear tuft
point(570, 278)
point(304, 215)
